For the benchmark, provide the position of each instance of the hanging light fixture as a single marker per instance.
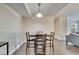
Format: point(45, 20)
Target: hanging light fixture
point(39, 13)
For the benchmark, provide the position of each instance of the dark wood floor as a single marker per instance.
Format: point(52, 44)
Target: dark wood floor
point(60, 49)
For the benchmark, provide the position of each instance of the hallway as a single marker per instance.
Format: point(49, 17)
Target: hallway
point(60, 49)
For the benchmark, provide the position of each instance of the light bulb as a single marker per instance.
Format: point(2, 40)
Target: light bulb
point(39, 15)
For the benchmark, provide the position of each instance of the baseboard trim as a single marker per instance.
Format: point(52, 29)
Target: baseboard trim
point(16, 48)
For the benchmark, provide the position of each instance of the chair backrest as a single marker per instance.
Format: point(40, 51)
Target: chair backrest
point(41, 39)
point(52, 34)
point(40, 36)
point(27, 36)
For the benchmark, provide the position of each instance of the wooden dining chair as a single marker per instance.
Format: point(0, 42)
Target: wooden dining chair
point(52, 37)
point(50, 40)
point(40, 45)
point(28, 39)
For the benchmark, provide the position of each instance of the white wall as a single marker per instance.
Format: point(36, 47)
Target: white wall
point(60, 27)
point(34, 24)
point(10, 28)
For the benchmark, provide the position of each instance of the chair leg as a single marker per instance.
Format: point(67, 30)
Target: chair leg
point(50, 43)
point(35, 47)
point(26, 49)
point(28, 43)
point(66, 42)
point(26, 46)
point(53, 46)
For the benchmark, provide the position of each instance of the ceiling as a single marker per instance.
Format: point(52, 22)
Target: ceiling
point(31, 9)
point(47, 9)
point(19, 8)
point(71, 9)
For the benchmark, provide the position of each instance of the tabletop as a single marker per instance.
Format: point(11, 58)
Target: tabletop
point(35, 35)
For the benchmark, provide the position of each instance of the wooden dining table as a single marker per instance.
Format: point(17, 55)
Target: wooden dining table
point(34, 38)
point(35, 35)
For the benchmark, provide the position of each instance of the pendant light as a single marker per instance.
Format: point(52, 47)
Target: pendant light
point(39, 13)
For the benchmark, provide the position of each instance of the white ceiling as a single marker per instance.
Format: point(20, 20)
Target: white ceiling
point(47, 9)
point(71, 9)
point(19, 8)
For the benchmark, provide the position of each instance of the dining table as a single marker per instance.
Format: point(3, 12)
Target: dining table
point(32, 35)
point(37, 38)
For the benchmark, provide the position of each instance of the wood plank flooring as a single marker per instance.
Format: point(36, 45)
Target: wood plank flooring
point(60, 49)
